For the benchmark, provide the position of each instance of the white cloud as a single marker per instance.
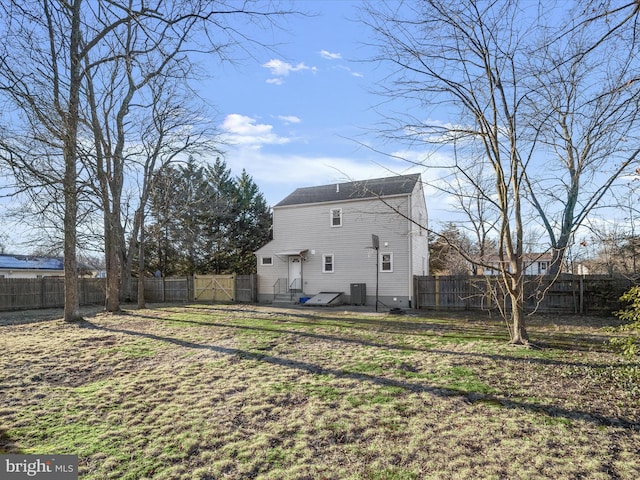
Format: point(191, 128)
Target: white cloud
point(242, 130)
point(330, 56)
point(349, 71)
point(288, 119)
point(280, 173)
point(283, 69)
point(288, 171)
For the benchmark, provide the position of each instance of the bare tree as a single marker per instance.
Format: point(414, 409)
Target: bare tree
point(584, 115)
point(138, 118)
point(173, 134)
point(59, 60)
point(484, 65)
point(469, 191)
point(40, 77)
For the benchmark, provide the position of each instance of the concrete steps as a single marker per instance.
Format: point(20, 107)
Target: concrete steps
point(286, 298)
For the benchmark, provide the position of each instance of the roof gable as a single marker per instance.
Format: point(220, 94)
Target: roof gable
point(379, 187)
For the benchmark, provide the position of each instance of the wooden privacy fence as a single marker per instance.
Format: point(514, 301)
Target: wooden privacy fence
point(214, 288)
point(199, 288)
point(246, 288)
point(48, 292)
point(568, 294)
point(165, 289)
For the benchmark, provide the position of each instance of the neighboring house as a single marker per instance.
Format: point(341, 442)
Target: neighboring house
point(322, 242)
point(27, 266)
point(534, 264)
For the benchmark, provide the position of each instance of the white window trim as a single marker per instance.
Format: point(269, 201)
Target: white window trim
point(331, 217)
point(390, 261)
point(324, 263)
point(262, 259)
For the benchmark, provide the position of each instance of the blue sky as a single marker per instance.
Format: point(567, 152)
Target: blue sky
point(301, 114)
point(296, 115)
point(300, 117)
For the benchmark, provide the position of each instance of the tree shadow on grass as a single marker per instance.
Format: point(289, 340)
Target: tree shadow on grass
point(471, 397)
point(25, 317)
point(439, 332)
point(7, 445)
point(472, 327)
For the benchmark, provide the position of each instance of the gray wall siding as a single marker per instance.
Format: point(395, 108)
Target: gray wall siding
point(309, 227)
point(419, 235)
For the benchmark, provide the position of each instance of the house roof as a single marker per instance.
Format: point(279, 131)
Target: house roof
point(335, 192)
point(528, 258)
point(24, 262)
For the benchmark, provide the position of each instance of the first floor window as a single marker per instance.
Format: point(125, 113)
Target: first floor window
point(327, 263)
point(267, 261)
point(386, 262)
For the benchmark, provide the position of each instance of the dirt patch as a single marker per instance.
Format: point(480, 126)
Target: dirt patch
point(20, 317)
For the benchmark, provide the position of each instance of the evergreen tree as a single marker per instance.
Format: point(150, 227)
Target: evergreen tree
point(252, 226)
point(206, 221)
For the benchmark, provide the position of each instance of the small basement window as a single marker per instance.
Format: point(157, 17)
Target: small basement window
point(336, 217)
point(266, 261)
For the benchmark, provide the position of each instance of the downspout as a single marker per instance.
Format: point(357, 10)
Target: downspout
point(410, 245)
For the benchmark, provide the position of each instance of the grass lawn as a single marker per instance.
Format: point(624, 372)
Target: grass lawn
point(217, 392)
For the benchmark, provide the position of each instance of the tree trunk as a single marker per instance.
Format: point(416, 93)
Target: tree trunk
point(71, 294)
point(141, 303)
point(518, 331)
point(112, 301)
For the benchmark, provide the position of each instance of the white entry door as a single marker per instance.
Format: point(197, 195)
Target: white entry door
point(295, 273)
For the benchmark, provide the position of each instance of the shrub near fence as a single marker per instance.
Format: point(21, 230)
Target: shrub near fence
point(593, 294)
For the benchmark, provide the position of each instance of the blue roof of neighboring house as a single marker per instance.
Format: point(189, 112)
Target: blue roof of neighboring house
point(24, 262)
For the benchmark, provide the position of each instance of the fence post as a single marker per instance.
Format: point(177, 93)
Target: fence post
point(437, 292)
point(581, 294)
point(254, 287)
point(42, 294)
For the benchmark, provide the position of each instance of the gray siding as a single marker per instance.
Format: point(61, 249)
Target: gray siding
point(309, 227)
point(419, 234)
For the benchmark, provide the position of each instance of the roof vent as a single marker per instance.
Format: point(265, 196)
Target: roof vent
point(337, 188)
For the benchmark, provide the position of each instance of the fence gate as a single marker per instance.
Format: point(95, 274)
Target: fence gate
point(214, 288)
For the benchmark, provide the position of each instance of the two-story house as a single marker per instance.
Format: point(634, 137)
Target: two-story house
point(323, 241)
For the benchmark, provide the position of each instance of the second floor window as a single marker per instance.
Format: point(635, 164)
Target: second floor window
point(336, 217)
